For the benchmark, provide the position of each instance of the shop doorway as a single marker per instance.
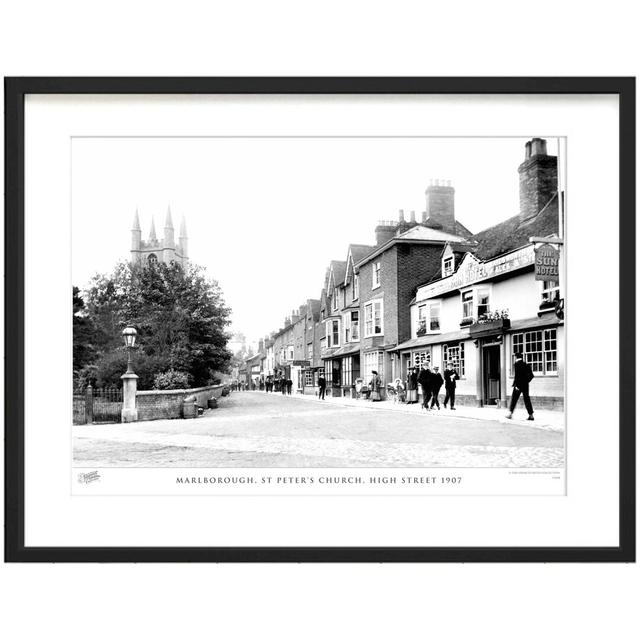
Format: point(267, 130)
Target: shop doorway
point(491, 374)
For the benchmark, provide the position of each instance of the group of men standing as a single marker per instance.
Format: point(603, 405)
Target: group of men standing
point(430, 381)
point(278, 383)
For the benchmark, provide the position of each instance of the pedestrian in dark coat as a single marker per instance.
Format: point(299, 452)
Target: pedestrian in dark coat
point(522, 376)
point(436, 385)
point(424, 380)
point(450, 377)
point(375, 385)
point(412, 386)
point(289, 385)
point(322, 386)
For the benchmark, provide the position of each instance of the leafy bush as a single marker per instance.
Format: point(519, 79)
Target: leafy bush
point(171, 379)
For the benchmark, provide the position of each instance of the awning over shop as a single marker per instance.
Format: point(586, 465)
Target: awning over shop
point(342, 351)
point(547, 320)
point(423, 341)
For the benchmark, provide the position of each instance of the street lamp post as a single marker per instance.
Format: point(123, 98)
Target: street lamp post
point(129, 379)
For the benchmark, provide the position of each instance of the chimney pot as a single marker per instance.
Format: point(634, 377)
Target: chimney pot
point(401, 215)
point(413, 216)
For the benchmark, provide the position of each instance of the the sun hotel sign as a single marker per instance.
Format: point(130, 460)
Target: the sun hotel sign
point(471, 270)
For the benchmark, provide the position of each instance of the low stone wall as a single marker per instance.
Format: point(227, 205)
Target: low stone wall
point(167, 405)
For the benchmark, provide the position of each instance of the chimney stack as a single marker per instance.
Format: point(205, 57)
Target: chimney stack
point(401, 216)
point(385, 231)
point(413, 217)
point(440, 213)
point(261, 345)
point(538, 179)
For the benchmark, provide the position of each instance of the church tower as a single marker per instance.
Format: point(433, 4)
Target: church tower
point(154, 250)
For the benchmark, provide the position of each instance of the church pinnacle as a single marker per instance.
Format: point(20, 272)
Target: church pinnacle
point(152, 231)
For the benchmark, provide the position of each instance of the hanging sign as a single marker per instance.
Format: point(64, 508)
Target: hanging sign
point(547, 262)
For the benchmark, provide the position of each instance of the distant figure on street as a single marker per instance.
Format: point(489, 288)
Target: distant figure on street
point(412, 386)
point(375, 386)
point(522, 376)
point(283, 385)
point(450, 377)
point(424, 380)
point(436, 385)
point(289, 384)
point(322, 386)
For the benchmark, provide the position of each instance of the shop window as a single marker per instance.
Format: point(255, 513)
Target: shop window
point(308, 378)
point(347, 371)
point(418, 358)
point(373, 361)
point(539, 349)
point(454, 353)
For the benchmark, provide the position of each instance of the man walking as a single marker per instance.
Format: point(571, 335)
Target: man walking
point(424, 380)
point(289, 386)
point(322, 386)
point(436, 385)
point(450, 377)
point(522, 376)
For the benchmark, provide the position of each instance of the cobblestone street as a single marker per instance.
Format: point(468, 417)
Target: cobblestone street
point(255, 429)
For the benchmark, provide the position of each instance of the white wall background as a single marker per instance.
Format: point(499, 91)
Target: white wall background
point(335, 38)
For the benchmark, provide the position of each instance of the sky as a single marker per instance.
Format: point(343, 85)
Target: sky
point(265, 216)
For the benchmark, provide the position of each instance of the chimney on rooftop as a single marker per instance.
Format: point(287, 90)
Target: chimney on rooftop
point(385, 231)
point(440, 213)
point(401, 216)
point(538, 179)
point(261, 345)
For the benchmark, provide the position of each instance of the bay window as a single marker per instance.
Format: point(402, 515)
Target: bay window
point(422, 319)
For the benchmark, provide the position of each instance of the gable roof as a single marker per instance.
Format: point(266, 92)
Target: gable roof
point(356, 253)
point(338, 268)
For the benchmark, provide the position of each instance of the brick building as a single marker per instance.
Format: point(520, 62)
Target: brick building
point(376, 312)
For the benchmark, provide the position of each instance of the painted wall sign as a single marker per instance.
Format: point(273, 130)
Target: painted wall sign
point(472, 270)
point(547, 263)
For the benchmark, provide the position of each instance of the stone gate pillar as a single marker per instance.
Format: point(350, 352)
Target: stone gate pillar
point(129, 389)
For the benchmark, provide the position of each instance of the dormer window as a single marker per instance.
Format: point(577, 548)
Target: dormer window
point(447, 266)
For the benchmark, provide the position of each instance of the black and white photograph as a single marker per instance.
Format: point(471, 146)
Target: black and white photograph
point(327, 302)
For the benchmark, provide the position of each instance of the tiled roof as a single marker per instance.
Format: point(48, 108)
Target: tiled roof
point(339, 269)
point(359, 251)
point(420, 232)
point(514, 232)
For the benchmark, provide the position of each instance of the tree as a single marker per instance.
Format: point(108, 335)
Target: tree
point(179, 314)
point(86, 336)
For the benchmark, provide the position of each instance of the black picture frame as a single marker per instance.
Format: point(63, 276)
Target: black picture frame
point(15, 91)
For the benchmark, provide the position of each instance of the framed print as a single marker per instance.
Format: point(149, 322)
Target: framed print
point(320, 319)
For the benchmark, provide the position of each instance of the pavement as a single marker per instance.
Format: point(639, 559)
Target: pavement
point(543, 418)
point(255, 429)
